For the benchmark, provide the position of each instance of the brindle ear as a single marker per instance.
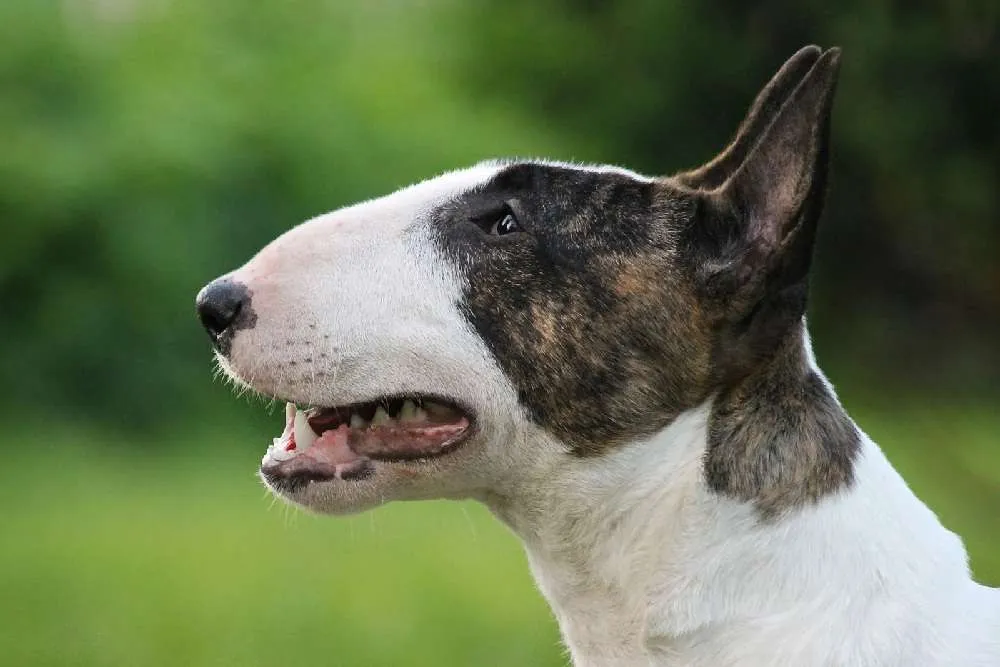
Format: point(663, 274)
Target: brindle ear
point(762, 112)
point(751, 244)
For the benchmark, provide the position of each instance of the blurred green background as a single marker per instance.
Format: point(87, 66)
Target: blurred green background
point(147, 146)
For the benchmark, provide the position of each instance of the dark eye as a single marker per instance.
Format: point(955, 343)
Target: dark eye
point(505, 223)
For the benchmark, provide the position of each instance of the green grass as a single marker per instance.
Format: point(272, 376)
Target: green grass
point(137, 556)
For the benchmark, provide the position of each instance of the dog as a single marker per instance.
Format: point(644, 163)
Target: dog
point(618, 367)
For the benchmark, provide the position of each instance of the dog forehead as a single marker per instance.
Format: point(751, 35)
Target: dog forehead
point(552, 182)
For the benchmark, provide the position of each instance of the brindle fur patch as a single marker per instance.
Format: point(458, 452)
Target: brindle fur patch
point(627, 301)
point(586, 314)
point(779, 438)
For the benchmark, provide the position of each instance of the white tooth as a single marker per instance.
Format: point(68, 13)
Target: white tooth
point(304, 435)
point(381, 417)
point(289, 411)
point(357, 421)
point(419, 415)
point(307, 441)
point(408, 411)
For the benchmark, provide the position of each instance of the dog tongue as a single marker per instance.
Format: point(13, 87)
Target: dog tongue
point(403, 441)
point(397, 442)
point(332, 447)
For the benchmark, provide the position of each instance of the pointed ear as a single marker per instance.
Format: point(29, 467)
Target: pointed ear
point(762, 112)
point(750, 245)
point(778, 191)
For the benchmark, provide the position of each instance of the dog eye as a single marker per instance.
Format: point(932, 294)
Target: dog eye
point(506, 223)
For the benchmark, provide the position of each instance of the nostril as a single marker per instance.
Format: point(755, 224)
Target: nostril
point(217, 321)
point(220, 304)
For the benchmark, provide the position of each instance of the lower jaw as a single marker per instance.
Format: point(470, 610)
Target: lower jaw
point(292, 479)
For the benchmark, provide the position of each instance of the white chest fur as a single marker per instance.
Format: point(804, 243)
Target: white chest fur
point(643, 565)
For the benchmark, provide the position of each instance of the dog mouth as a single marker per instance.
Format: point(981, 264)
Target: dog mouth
point(343, 442)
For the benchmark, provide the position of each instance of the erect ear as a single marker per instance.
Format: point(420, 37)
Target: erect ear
point(762, 112)
point(751, 242)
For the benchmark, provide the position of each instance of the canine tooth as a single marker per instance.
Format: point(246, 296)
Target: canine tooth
point(408, 411)
point(357, 421)
point(381, 417)
point(419, 415)
point(289, 411)
point(304, 435)
point(307, 441)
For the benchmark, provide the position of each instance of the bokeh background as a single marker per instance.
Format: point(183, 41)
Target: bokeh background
point(147, 146)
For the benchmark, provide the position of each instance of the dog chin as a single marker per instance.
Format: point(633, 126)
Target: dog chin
point(335, 497)
point(385, 482)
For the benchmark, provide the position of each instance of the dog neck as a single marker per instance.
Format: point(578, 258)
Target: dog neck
point(644, 563)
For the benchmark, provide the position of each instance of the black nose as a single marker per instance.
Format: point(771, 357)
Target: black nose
point(221, 305)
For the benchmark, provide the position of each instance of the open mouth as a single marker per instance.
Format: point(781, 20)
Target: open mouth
point(320, 444)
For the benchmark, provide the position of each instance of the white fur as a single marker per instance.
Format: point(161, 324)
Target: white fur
point(641, 562)
point(644, 565)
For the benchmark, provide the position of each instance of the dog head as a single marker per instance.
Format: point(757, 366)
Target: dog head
point(484, 325)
